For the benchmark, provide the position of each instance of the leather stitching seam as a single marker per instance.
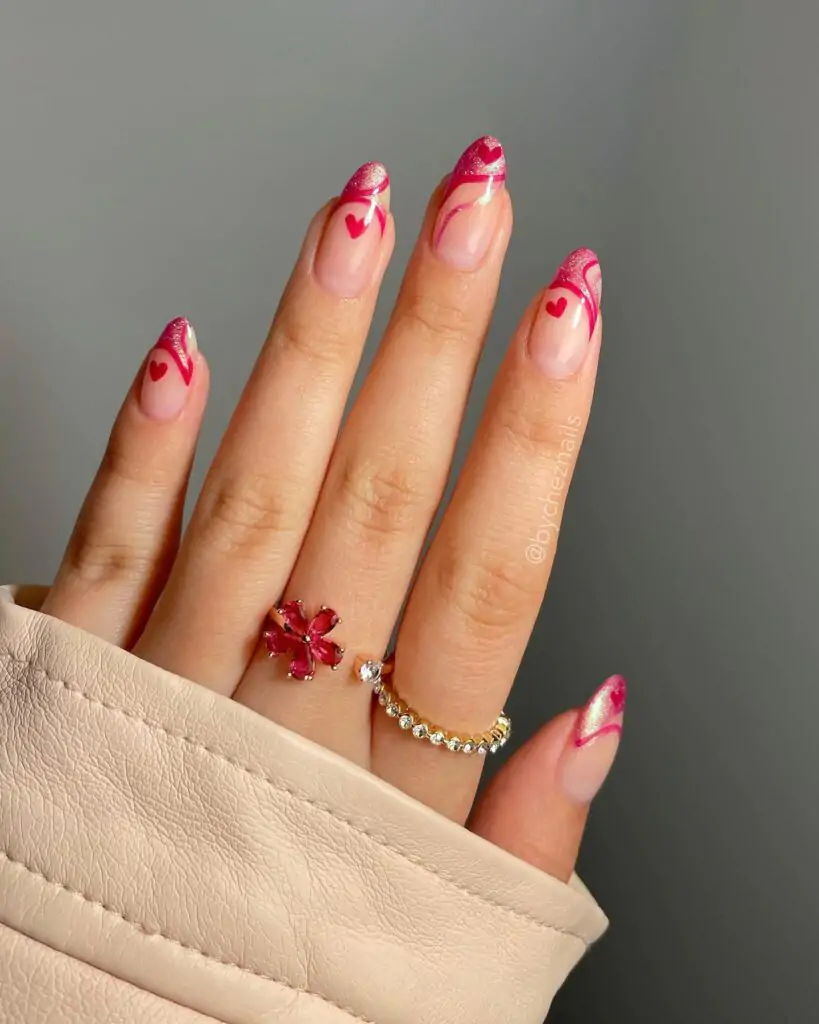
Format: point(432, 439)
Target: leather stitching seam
point(137, 926)
point(289, 791)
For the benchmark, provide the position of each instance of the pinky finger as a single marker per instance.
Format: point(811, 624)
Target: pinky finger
point(536, 806)
point(127, 532)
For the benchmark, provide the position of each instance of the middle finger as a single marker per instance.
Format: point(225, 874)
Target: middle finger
point(391, 463)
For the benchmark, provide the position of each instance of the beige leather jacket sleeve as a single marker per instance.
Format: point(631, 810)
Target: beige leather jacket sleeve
point(168, 856)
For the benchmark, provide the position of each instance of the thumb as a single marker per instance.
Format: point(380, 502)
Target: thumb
point(536, 806)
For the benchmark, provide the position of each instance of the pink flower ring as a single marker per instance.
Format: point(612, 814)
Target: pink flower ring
point(291, 633)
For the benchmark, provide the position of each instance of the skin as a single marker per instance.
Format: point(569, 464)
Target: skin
point(268, 526)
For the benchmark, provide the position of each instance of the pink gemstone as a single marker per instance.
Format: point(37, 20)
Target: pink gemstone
point(293, 616)
point(326, 652)
point(277, 641)
point(301, 667)
point(323, 622)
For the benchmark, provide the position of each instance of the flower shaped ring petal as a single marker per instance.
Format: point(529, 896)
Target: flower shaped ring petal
point(303, 640)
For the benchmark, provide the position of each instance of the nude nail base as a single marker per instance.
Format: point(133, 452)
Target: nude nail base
point(566, 320)
point(169, 372)
point(468, 217)
point(587, 759)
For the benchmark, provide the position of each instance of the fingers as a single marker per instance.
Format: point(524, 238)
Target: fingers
point(128, 530)
point(480, 587)
point(392, 459)
point(536, 806)
point(259, 494)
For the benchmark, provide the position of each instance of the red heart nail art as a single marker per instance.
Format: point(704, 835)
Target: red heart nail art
point(157, 370)
point(481, 162)
point(573, 275)
point(356, 226)
point(557, 309)
point(482, 168)
point(490, 155)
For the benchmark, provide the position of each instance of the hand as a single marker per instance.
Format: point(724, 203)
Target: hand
point(294, 507)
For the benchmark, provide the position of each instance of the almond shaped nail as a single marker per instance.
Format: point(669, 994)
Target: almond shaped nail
point(566, 320)
point(579, 274)
point(169, 371)
point(468, 216)
point(369, 186)
point(603, 714)
point(590, 754)
point(348, 254)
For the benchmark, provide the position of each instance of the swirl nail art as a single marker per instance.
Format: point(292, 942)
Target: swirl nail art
point(588, 756)
point(349, 254)
point(563, 328)
point(179, 341)
point(368, 187)
point(468, 217)
point(573, 274)
point(603, 714)
point(169, 371)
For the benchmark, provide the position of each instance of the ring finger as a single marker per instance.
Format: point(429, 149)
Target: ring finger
point(390, 465)
point(479, 590)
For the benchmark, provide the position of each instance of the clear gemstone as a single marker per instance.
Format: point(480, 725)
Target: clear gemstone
point(393, 710)
point(420, 731)
point(370, 672)
point(436, 738)
point(383, 698)
point(406, 721)
point(495, 747)
point(483, 747)
point(468, 747)
point(454, 744)
point(378, 687)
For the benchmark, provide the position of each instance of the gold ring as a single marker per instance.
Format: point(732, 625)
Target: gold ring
point(374, 673)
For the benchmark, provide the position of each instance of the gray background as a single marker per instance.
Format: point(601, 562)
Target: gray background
point(163, 158)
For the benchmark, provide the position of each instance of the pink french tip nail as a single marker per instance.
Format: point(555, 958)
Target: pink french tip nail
point(169, 371)
point(348, 254)
point(588, 757)
point(567, 317)
point(468, 217)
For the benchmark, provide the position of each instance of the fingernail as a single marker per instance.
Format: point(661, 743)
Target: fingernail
point(586, 761)
point(565, 322)
point(348, 253)
point(468, 216)
point(169, 371)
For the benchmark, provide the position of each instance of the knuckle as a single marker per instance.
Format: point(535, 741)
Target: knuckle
point(314, 341)
point(94, 559)
point(381, 499)
point(437, 322)
point(240, 519)
point(148, 470)
point(489, 592)
point(529, 431)
point(105, 547)
point(120, 465)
